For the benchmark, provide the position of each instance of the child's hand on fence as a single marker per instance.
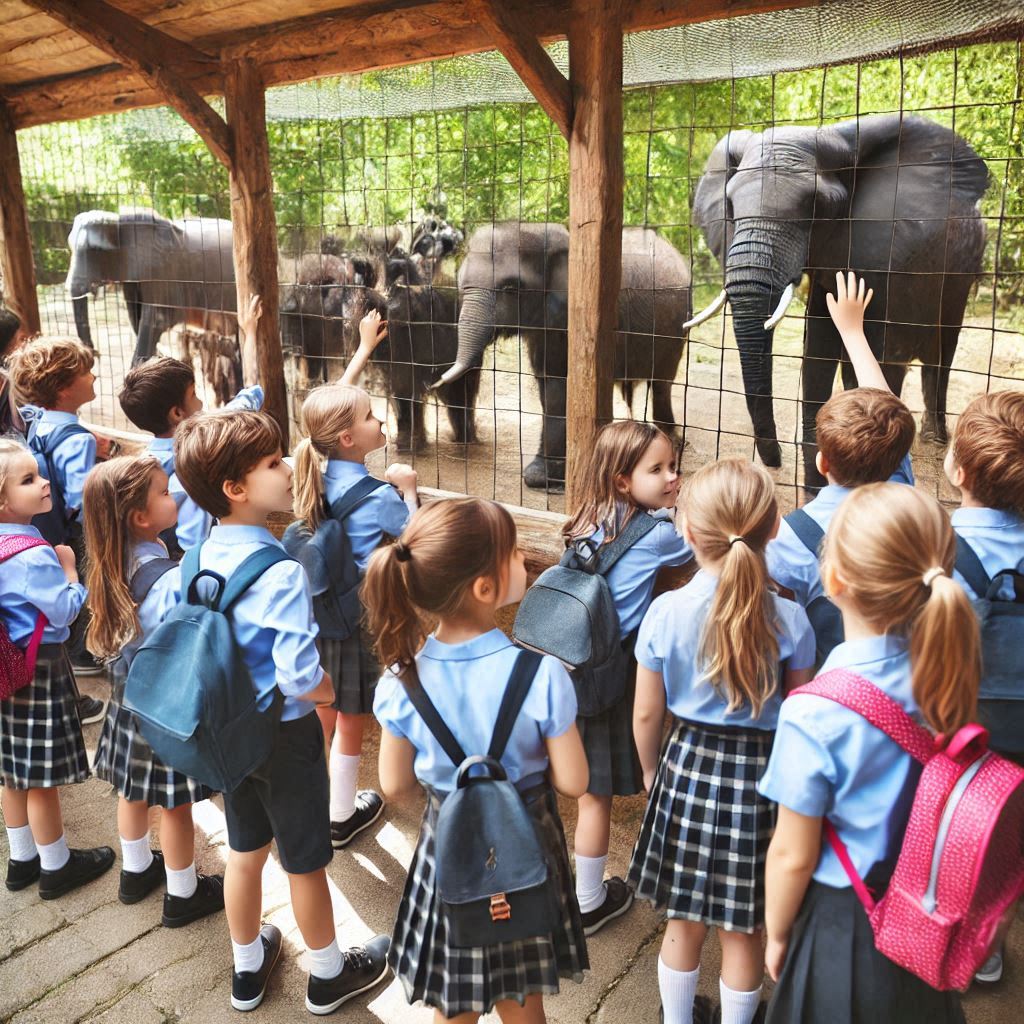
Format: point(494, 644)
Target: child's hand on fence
point(372, 330)
point(847, 306)
point(403, 477)
point(66, 557)
point(249, 316)
point(104, 447)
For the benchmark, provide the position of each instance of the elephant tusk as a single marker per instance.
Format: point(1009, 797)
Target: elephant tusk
point(707, 314)
point(454, 372)
point(780, 309)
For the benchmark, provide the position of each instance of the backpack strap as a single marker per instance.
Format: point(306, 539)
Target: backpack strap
point(249, 572)
point(807, 531)
point(355, 496)
point(518, 686)
point(968, 564)
point(431, 716)
point(11, 545)
point(640, 524)
point(48, 443)
point(144, 578)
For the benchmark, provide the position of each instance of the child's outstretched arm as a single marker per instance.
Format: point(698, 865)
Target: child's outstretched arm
point(846, 308)
point(372, 331)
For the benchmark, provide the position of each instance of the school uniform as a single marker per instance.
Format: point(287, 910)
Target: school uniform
point(466, 682)
point(123, 757)
point(705, 834)
point(286, 798)
point(608, 737)
point(41, 744)
point(350, 663)
point(73, 457)
point(790, 563)
point(997, 538)
point(830, 762)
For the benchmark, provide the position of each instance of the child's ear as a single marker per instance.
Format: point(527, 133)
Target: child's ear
point(821, 463)
point(138, 520)
point(832, 583)
point(234, 491)
point(484, 589)
point(622, 484)
point(684, 529)
point(174, 416)
point(775, 527)
point(345, 439)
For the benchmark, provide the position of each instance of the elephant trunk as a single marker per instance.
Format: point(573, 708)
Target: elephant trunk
point(476, 331)
point(764, 258)
point(80, 305)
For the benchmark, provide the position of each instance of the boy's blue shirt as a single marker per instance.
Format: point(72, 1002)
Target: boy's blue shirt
point(997, 538)
point(74, 456)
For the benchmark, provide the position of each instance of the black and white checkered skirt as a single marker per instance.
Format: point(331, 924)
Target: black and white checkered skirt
point(353, 670)
point(455, 980)
point(611, 750)
point(41, 744)
point(704, 838)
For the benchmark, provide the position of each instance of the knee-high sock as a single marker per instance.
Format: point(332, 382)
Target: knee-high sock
point(344, 779)
point(738, 1007)
point(590, 890)
point(678, 989)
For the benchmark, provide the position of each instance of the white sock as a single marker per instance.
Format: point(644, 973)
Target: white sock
point(181, 883)
point(590, 890)
point(19, 838)
point(136, 856)
point(327, 962)
point(344, 779)
point(53, 856)
point(678, 989)
point(738, 1007)
point(248, 956)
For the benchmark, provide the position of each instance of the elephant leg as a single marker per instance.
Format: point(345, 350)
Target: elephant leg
point(411, 431)
point(661, 407)
point(151, 326)
point(460, 400)
point(547, 470)
point(895, 374)
point(819, 374)
point(133, 300)
point(935, 384)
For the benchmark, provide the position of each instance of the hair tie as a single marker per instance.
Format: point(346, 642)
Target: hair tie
point(733, 537)
point(929, 577)
point(402, 551)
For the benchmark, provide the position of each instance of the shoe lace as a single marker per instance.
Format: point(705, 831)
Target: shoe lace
point(357, 957)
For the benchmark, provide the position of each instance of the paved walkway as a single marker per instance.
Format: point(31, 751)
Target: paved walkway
point(88, 958)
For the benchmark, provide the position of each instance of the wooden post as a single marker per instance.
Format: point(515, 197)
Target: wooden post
point(595, 225)
point(19, 273)
point(254, 232)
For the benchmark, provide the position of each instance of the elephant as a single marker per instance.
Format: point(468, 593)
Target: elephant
point(892, 198)
point(514, 280)
point(171, 272)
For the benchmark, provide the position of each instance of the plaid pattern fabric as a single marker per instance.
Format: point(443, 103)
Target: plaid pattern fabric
point(353, 670)
point(126, 761)
point(458, 981)
point(41, 743)
point(611, 752)
point(704, 838)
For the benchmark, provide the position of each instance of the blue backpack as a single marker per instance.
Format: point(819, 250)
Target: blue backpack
point(191, 689)
point(330, 564)
point(826, 620)
point(56, 525)
point(1001, 697)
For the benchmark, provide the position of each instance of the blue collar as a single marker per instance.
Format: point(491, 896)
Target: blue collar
point(148, 549)
point(52, 416)
point(990, 517)
point(232, 535)
point(342, 469)
point(161, 444)
point(866, 651)
point(21, 531)
point(479, 647)
point(831, 496)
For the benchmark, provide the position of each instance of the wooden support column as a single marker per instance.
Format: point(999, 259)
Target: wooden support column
point(595, 225)
point(254, 231)
point(19, 273)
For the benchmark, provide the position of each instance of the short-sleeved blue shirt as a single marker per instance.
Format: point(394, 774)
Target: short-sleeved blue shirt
point(162, 598)
point(73, 457)
point(997, 539)
point(828, 761)
point(466, 683)
point(670, 638)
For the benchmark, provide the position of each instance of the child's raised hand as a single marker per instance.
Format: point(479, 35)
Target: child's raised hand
point(847, 306)
point(372, 330)
point(250, 317)
point(402, 476)
point(66, 557)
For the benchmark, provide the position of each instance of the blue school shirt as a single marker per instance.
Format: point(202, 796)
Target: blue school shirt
point(163, 596)
point(272, 622)
point(631, 580)
point(997, 539)
point(466, 683)
point(669, 640)
point(827, 761)
point(790, 564)
point(33, 582)
point(383, 512)
point(74, 456)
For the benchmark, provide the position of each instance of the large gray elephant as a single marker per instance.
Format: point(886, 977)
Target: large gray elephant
point(171, 272)
point(892, 198)
point(514, 280)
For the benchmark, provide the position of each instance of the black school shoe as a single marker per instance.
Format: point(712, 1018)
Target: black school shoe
point(249, 987)
point(82, 867)
point(369, 807)
point(85, 664)
point(137, 885)
point(90, 710)
point(207, 899)
point(22, 873)
point(618, 899)
point(365, 967)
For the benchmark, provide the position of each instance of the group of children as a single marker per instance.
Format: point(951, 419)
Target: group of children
point(737, 791)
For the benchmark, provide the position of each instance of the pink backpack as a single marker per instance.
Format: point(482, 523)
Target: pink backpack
point(17, 667)
point(961, 866)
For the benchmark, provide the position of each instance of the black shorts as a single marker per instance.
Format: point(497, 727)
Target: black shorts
point(285, 799)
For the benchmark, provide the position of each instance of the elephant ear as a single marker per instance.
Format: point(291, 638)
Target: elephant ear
point(97, 230)
point(710, 204)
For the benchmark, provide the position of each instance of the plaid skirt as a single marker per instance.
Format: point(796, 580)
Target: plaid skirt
point(353, 670)
point(41, 744)
point(459, 980)
point(701, 850)
point(611, 751)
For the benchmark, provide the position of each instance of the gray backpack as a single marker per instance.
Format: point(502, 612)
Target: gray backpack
point(569, 613)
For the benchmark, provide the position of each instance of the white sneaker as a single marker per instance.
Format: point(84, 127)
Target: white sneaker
point(992, 969)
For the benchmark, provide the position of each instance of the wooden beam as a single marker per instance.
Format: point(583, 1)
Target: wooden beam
point(254, 232)
point(19, 272)
point(510, 28)
point(151, 54)
point(595, 227)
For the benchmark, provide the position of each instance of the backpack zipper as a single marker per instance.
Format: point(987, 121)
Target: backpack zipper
point(952, 802)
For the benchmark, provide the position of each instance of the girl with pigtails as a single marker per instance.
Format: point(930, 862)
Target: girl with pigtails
point(718, 654)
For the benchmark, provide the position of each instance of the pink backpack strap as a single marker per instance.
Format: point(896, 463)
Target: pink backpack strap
point(12, 544)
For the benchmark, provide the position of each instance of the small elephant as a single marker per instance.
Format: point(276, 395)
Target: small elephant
point(892, 198)
point(514, 280)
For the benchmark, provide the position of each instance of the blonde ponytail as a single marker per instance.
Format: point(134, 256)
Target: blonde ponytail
point(308, 484)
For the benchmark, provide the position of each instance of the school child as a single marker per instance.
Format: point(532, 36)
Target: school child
point(12, 334)
point(864, 435)
point(341, 430)
point(41, 745)
point(631, 473)
point(718, 653)
point(911, 631)
point(457, 563)
point(127, 506)
point(231, 464)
